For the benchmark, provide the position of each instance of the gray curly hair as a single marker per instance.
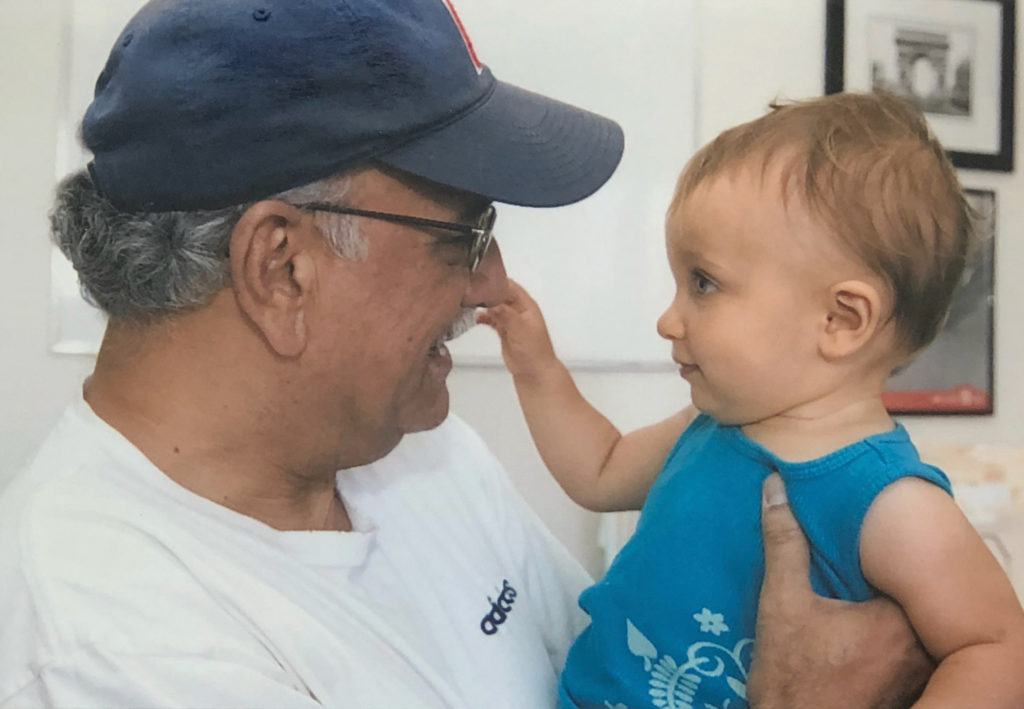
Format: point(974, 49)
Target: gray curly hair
point(142, 266)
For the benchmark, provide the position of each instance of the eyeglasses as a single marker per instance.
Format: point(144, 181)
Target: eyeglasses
point(482, 233)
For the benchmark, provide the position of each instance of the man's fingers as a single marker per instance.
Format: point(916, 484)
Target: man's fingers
point(786, 557)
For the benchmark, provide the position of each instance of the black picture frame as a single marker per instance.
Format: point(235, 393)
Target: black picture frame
point(972, 113)
point(954, 375)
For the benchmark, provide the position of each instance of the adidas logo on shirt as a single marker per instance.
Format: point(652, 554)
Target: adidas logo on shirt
point(500, 608)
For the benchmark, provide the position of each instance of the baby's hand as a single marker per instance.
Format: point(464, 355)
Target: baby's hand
point(525, 343)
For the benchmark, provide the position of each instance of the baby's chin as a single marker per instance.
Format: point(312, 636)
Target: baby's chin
point(728, 417)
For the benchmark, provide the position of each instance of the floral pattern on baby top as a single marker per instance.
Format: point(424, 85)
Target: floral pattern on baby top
point(674, 685)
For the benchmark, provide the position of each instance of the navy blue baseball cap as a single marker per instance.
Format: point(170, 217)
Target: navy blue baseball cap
point(204, 104)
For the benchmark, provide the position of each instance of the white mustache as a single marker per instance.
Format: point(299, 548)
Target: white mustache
point(462, 324)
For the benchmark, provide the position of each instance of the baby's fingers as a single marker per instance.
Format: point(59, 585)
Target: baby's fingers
point(496, 317)
point(518, 298)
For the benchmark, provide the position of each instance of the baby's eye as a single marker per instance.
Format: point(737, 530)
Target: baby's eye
point(702, 285)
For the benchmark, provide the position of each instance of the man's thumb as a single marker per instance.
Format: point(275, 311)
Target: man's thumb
point(786, 560)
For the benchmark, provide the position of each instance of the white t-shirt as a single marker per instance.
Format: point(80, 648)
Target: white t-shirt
point(120, 588)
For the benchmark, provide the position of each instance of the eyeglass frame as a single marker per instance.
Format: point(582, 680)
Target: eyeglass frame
point(482, 233)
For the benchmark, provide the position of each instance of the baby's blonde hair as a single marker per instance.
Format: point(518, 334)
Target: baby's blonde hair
point(868, 169)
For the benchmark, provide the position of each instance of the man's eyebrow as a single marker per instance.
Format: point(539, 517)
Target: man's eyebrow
point(471, 211)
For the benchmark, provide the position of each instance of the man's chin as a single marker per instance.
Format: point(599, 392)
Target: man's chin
point(428, 417)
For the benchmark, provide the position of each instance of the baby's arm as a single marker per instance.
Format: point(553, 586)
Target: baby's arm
point(917, 547)
point(598, 467)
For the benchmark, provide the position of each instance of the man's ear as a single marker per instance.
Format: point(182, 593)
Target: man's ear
point(854, 316)
point(273, 273)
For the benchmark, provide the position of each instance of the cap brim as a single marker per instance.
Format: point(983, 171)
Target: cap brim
point(518, 147)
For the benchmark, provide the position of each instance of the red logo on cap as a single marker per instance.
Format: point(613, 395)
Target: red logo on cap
point(465, 37)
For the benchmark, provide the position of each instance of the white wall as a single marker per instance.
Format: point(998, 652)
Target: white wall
point(751, 51)
point(34, 384)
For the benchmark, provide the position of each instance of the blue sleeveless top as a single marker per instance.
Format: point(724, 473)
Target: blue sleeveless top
point(672, 622)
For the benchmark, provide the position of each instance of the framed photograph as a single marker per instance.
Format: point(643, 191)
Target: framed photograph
point(953, 58)
point(953, 375)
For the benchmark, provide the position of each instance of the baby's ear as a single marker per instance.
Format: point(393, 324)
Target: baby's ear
point(854, 316)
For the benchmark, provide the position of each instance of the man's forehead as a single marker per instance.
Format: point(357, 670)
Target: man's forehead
point(459, 201)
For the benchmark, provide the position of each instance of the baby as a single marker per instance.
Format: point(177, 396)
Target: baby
point(814, 250)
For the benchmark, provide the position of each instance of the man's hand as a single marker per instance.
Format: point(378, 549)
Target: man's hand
point(817, 653)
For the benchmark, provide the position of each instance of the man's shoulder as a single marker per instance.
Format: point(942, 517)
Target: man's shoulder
point(65, 522)
point(38, 490)
point(69, 469)
point(73, 528)
point(65, 552)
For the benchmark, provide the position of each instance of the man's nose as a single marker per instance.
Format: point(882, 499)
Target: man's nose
point(488, 284)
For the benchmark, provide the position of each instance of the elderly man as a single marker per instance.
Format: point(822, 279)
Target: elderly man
point(287, 214)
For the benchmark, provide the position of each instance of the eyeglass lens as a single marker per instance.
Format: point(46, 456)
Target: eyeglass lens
point(484, 235)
